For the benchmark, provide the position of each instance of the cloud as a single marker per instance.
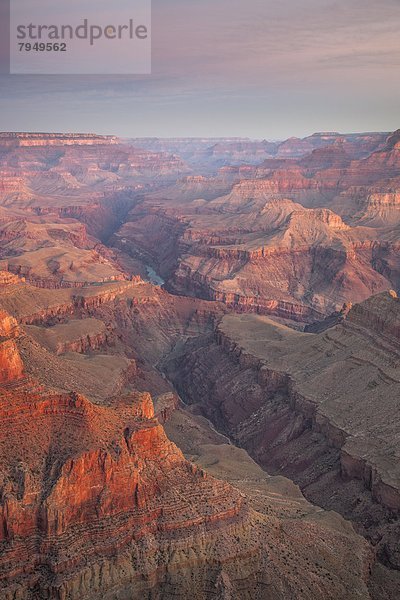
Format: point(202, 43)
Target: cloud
point(288, 66)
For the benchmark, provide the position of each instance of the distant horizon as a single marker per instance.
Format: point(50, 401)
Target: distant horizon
point(260, 70)
point(198, 137)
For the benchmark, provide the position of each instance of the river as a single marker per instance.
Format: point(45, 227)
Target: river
point(153, 277)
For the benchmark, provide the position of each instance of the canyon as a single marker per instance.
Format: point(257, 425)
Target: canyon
point(95, 499)
point(303, 414)
point(199, 358)
point(292, 237)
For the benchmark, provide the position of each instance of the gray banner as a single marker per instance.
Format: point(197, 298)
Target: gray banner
point(61, 37)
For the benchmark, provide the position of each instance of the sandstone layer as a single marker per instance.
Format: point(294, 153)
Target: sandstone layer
point(319, 408)
point(293, 237)
point(95, 501)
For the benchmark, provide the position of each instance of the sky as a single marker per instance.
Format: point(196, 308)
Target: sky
point(254, 68)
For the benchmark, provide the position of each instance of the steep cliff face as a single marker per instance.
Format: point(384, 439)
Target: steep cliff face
point(33, 305)
point(376, 205)
point(300, 236)
point(95, 501)
point(153, 237)
point(380, 316)
point(309, 266)
point(12, 184)
point(8, 325)
point(87, 504)
point(11, 367)
point(83, 335)
point(312, 407)
point(81, 158)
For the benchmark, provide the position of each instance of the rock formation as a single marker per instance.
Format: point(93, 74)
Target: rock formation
point(294, 237)
point(313, 407)
point(102, 496)
point(96, 501)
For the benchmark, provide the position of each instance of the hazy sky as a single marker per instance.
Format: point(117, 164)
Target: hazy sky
point(258, 68)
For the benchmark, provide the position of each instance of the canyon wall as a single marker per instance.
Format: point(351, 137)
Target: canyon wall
point(95, 500)
point(312, 407)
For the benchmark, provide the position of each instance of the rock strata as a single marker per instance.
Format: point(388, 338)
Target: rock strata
point(316, 406)
point(96, 501)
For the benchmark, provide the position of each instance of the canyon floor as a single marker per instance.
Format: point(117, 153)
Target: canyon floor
point(199, 368)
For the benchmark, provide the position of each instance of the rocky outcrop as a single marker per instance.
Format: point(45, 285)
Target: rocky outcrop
point(266, 280)
point(7, 278)
point(80, 336)
point(165, 406)
point(96, 501)
point(188, 281)
point(312, 407)
point(115, 468)
point(8, 325)
point(376, 205)
point(11, 366)
point(86, 343)
point(57, 304)
point(380, 316)
point(54, 252)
